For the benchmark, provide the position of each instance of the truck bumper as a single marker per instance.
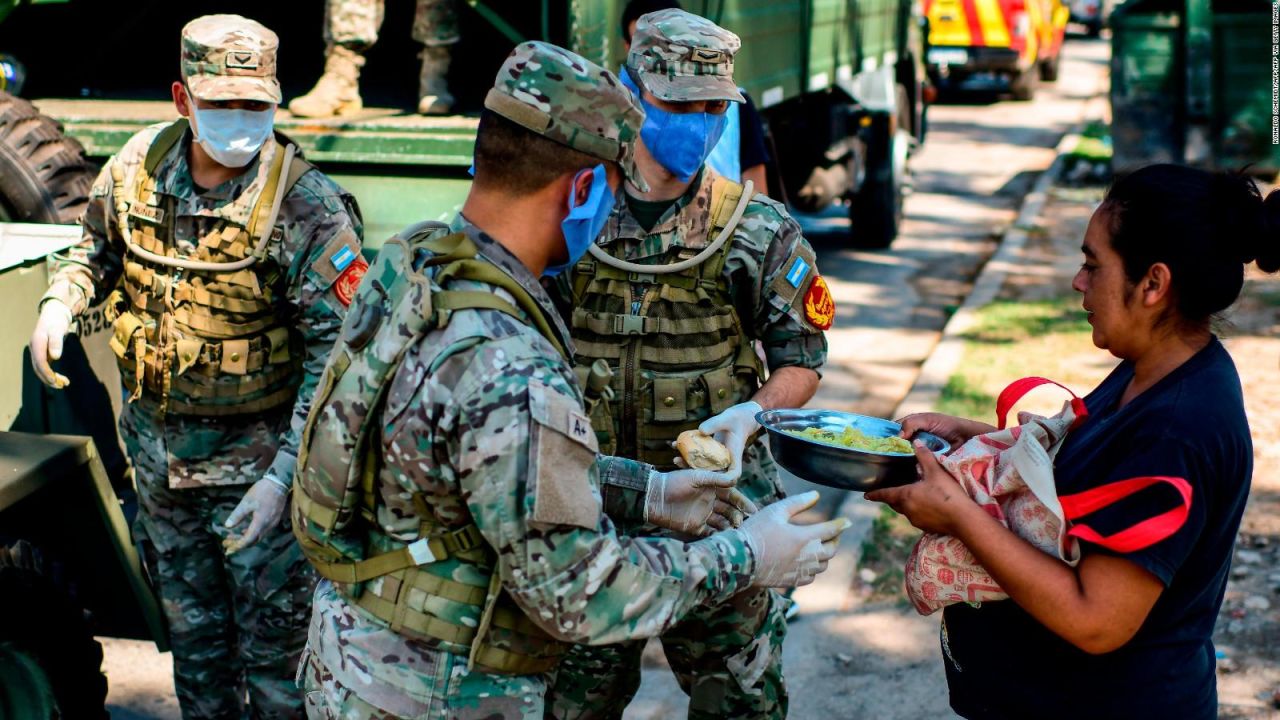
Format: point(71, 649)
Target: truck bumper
point(948, 61)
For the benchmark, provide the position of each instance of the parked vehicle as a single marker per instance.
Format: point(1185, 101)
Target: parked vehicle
point(1090, 13)
point(1017, 40)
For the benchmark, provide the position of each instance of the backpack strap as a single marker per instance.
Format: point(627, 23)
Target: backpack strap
point(163, 142)
point(449, 301)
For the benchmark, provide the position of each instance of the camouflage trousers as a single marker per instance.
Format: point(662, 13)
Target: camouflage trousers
point(355, 23)
point(727, 658)
point(237, 623)
point(424, 683)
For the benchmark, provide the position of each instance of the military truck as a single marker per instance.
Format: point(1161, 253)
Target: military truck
point(840, 83)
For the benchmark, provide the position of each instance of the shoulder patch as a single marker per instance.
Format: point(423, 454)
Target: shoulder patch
point(819, 306)
point(335, 258)
point(794, 273)
point(562, 451)
point(344, 288)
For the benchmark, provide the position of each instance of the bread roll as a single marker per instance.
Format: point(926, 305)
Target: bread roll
point(701, 451)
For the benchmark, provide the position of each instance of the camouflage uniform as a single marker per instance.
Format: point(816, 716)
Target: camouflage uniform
point(483, 426)
point(237, 623)
point(355, 23)
point(727, 657)
point(351, 28)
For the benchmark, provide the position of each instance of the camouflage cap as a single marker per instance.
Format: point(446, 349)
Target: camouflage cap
point(680, 57)
point(228, 57)
point(567, 98)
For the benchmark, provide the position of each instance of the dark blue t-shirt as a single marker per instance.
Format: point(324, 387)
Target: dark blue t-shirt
point(1001, 663)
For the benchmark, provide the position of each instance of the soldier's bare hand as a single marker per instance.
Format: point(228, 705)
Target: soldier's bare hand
point(263, 506)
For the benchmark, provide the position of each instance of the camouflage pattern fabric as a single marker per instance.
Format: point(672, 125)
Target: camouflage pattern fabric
point(229, 57)
point(599, 682)
point(318, 220)
point(458, 693)
point(592, 113)
point(355, 23)
point(681, 57)
point(237, 623)
point(484, 424)
point(192, 471)
point(709, 652)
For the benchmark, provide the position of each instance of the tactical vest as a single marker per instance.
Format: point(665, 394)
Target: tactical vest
point(198, 333)
point(683, 356)
point(413, 588)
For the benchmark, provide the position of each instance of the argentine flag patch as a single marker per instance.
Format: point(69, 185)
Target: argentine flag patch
point(799, 270)
point(343, 258)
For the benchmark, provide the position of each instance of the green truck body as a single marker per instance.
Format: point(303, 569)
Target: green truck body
point(1192, 82)
point(819, 70)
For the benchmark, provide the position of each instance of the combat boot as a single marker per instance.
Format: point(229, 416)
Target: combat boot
point(433, 91)
point(338, 91)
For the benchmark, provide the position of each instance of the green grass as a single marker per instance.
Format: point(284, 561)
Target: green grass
point(1092, 151)
point(1094, 144)
point(1011, 340)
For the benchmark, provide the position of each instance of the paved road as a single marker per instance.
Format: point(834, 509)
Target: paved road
point(981, 156)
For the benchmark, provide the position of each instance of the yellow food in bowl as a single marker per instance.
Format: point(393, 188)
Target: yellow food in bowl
point(855, 439)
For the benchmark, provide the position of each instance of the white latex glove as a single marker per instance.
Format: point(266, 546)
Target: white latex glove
point(695, 502)
point(46, 342)
point(263, 505)
point(731, 428)
point(790, 555)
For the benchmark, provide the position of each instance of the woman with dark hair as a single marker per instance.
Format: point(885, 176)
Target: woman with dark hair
point(1121, 635)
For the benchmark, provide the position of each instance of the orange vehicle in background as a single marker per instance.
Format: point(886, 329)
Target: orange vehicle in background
point(1020, 40)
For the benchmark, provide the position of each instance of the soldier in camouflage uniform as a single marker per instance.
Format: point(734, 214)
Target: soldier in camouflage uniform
point(351, 28)
point(449, 488)
point(682, 339)
point(224, 316)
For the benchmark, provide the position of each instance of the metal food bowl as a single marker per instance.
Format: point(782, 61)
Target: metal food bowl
point(834, 465)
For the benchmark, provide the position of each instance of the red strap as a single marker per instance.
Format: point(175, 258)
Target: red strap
point(1143, 534)
point(1019, 388)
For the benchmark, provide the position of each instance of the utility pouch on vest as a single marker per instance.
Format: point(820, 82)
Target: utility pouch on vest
point(211, 343)
point(686, 356)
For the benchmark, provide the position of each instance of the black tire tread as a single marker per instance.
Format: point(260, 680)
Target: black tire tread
point(1023, 85)
point(40, 617)
point(56, 162)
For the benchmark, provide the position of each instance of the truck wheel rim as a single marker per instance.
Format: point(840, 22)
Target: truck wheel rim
point(28, 694)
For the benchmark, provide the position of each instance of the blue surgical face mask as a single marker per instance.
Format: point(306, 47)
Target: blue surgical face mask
point(680, 142)
point(232, 137)
point(585, 221)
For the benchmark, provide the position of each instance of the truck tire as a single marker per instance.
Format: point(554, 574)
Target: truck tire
point(44, 177)
point(1049, 68)
point(1023, 84)
point(50, 665)
point(877, 209)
